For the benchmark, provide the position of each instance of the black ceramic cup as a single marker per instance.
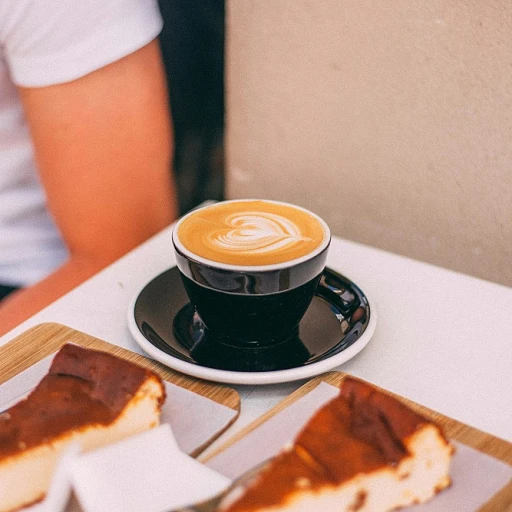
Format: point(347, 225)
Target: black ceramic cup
point(251, 306)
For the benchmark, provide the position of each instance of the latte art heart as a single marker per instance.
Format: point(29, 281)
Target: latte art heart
point(256, 233)
point(251, 233)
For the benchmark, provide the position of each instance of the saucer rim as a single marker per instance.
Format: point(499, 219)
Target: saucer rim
point(250, 378)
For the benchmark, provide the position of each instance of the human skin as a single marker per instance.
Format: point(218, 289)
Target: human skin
point(103, 146)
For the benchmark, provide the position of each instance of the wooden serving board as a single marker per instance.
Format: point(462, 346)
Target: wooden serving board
point(477, 439)
point(45, 339)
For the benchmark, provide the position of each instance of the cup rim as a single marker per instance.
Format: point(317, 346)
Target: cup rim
point(250, 268)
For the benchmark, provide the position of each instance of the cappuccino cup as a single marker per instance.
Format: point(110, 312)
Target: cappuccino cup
point(250, 269)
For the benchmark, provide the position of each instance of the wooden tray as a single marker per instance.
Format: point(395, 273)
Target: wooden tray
point(45, 339)
point(453, 429)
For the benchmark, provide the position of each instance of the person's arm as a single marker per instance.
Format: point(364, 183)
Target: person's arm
point(103, 149)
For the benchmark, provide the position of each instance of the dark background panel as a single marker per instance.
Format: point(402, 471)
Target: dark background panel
point(192, 44)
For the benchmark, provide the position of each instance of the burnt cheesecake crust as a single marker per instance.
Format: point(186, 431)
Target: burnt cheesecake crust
point(362, 451)
point(87, 396)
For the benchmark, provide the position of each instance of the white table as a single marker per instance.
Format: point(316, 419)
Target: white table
point(443, 339)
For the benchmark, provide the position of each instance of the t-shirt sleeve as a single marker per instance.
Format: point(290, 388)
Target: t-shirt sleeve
point(47, 42)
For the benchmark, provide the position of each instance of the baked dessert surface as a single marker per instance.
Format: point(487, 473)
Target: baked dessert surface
point(88, 396)
point(363, 451)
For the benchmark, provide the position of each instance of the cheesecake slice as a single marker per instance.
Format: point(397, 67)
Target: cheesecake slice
point(90, 397)
point(363, 451)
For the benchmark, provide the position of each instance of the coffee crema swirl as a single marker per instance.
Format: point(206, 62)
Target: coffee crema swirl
point(251, 233)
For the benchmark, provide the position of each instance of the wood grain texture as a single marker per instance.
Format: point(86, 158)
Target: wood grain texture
point(45, 339)
point(486, 443)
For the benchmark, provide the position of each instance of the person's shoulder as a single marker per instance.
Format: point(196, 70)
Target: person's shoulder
point(47, 42)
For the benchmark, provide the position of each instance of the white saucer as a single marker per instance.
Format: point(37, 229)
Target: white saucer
point(152, 311)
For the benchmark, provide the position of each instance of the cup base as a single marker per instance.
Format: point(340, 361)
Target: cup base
point(236, 355)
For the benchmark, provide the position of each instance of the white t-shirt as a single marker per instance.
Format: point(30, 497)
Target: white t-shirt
point(46, 42)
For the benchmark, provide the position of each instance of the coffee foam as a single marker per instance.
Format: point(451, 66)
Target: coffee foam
point(251, 233)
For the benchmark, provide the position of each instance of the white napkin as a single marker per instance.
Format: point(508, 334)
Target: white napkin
point(146, 472)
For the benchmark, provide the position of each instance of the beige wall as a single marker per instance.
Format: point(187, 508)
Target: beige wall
point(390, 118)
